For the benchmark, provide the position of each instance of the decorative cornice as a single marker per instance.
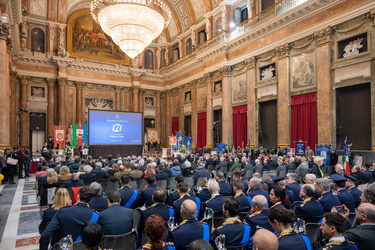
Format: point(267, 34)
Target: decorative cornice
point(250, 62)
point(284, 50)
point(226, 70)
point(208, 76)
point(118, 89)
point(79, 84)
point(324, 36)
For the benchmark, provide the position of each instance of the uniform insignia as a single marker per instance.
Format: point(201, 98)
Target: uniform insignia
point(255, 213)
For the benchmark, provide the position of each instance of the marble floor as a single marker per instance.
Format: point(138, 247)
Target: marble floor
point(19, 215)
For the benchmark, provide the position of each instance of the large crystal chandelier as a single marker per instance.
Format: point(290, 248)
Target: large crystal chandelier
point(132, 24)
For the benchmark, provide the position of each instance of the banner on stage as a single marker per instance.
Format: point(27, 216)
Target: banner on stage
point(59, 135)
point(300, 148)
point(188, 142)
point(79, 135)
point(221, 147)
point(291, 152)
point(180, 138)
point(152, 135)
point(172, 140)
point(325, 152)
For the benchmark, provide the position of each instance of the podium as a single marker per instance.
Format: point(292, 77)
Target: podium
point(85, 151)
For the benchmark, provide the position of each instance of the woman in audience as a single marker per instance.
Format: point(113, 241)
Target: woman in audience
point(52, 180)
point(61, 199)
point(203, 194)
point(278, 197)
point(65, 174)
point(282, 220)
point(81, 169)
point(74, 182)
point(155, 231)
point(115, 170)
point(41, 172)
point(92, 234)
point(127, 168)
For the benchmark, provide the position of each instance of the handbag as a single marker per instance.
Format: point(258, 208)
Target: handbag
point(35, 187)
point(12, 161)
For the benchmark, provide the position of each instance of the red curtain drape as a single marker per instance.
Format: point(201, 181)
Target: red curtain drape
point(201, 135)
point(239, 114)
point(175, 125)
point(304, 120)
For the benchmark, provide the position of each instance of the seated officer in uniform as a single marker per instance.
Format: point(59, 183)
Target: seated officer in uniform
point(69, 220)
point(244, 201)
point(333, 227)
point(183, 191)
point(190, 229)
point(129, 196)
point(259, 215)
point(326, 199)
point(216, 201)
point(282, 220)
point(291, 179)
point(225, 188)
point(344, 196)
point(146, 194)
point(310, 210)
point(254, 188)
point(350, 185)
point(172, 197)
point(158, 207)
point(236, 233)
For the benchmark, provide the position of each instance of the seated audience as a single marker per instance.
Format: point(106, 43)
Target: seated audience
point(98, 203)
point(87, 177)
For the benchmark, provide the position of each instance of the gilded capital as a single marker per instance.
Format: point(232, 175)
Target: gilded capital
point(24, 79)
point(51, 82)
point(208, 76)
point(62, 81)
point(79, 84)
point(135, 89)
point(158, 93)
point(283, 51)
point(250, 62)
point(226, 70)
point(323, 36)
point(13, 75)
point(118, 89)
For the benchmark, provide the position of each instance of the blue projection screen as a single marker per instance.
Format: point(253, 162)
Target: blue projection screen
point(115, 128)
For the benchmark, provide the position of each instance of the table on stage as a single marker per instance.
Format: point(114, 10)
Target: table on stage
point(33, 166)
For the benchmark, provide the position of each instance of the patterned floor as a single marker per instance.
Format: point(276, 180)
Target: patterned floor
point(19, 216)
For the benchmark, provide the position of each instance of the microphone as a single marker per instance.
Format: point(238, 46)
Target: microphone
point(24, 110)
point(216, 122)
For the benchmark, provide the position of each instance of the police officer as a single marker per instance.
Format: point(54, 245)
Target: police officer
point(146, 194)
point(216, 201)
point(243, 200)
point(190, 229)
point(258, 217)
point(225, 188)
point(69, 220)
point(183, 191)
point(326, 199)
point(310, 210)
point(344, 196)
point(350, 185)
point(129, 196)
point(236, 233)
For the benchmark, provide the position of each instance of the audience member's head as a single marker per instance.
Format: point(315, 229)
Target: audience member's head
point(254, 183)
point(92, 234)
point(188, 209)
point(334, 225)
point(259, 202)
point(64, 170)
point(213, 187)
point(220, 176)
point(159, 195)
point(238, 185)
point(322, 185)
point(368, 195)
point(200, 245)
point(365, 213)
point(280, 217)
point(231, 207)
point(179, 179)
point(96, 187)
point(291, 177)
point(307, 191)
point(61, 199)
point(264, 239)
point(114, 197)
point(85, 194)
point(310, 179)
point(183, 188)
point(125, 179)
point(155, 230)
point(150, 179)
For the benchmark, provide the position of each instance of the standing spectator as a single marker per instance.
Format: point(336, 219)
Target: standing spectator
point(28, 159)
point(309, 152)
point(333, 159)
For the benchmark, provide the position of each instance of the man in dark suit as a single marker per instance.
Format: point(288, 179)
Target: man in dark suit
point(356, 173)
point(183, 191)
point(216, 201)
point(158, 207)
point(326, 199)
point(259, 214)
point(293, 186)
point(236, 233)
point(98, 203)
point(350, 185)
point(129, 196)
point(116, 219)
point(190, 229)
point(222, 166)
point(146, 194)
point(225, 188)
point(344, 196)
point(310, 210)
point(366, 174)
point(69, 220)
point(201, 172)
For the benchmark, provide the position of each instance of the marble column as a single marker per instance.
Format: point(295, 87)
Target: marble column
point(324, 87)
point(79, 101)
point(194, 115)
point(51, 105)
point(226, 104)
point(62, 101)
point(209, 112)
point(283, 111)
point(126, 99)
point(13, 109)
point(118, 97)
point(251, 102)
point(24, 117)
point(168, 117)
point(4, 86)
point(141, 100)
point(181, 99)
point(158, 112)
point(135, 92)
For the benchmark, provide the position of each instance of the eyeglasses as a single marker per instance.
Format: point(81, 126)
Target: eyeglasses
point(359, 211)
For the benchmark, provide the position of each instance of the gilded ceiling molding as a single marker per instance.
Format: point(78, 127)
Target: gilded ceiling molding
point(190, 12)
point(175, 17)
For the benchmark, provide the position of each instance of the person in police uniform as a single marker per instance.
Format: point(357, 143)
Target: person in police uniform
point(190, 229)
point(310, 210)
point(183, 191)
point(146, 194)
point(333, 226)
point(158, 207)
point(344, 196)
point(225, 188)
point(128, 193)
point(216, 201)
point(259, 215)
point(291, 179)
point(350, 185)
point(236, 233)
point(238, 186)
point(172, 197)
point(326, 199)
point(69, 220)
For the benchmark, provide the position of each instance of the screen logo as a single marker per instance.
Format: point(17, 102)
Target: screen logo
point(116, 128)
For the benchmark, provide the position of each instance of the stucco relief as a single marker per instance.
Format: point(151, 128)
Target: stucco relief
point(239, 88)
point(199, 8)
point(172, 27)
point(38, 7)
point(175, 105)
point(202, 99)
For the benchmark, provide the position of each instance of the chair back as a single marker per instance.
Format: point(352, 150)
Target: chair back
point(136, 217)
point(162, 183)
point(118, 242)
point(282, 173)
point(189, 181)
point(172, 183)
point(242, 215)
point(142, 184)
point(133, 184)
point(291, 171)
point(264, 175)
point(46, 196)
point(352, 218)
point(313, 232)
point(296, 204)
point(249, 174)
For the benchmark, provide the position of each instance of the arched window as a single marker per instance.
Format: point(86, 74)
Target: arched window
point(149, 59)
point(218, 26)
point(37, 40)
point(189, 46)
point(202, 37)
point(162, 58)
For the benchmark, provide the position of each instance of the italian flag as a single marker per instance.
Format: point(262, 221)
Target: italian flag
point(346, 164)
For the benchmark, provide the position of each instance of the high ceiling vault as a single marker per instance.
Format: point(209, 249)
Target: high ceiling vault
point(185, 13)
